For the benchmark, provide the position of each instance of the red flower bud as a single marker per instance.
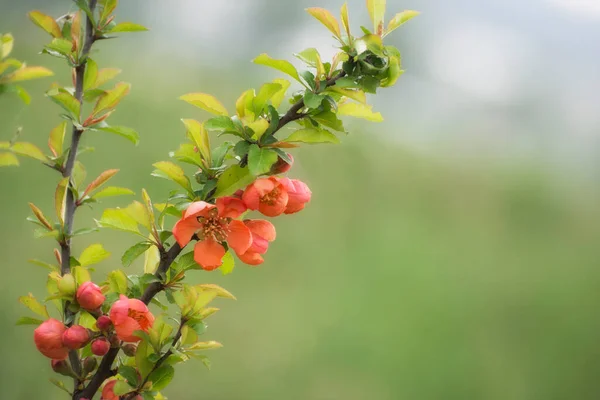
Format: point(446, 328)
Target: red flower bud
point(61, 367)
point(89, 364)
point(103, 323)
point(48, 339)
point(108, 392)
point(282, 166)
point(89, 296)
point(298, 194)
point(100, 346)
point(76, 337)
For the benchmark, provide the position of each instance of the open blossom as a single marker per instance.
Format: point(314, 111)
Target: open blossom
point(298, 194)
point(267, 195)
point(89, 296)
point(75, 337)
point(214, 225)
point(48, 339)
point(263, 232)
point(108, 392)
point(128, 316)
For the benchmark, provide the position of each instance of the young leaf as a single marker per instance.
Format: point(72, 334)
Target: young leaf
point(312, 58)
point(139, 213)
point(112, 191)
point(259, 127)
point(161, 377)
point(199, 136)
point(393, 73)
point(205, 345)
point(232, 179)
point(91, 74)
point(205, 102)
point(346, 20)
point(359, 111)
point(93, 254)
point(128, 27)
point(327, 19)
point(312, 135)
point(121, 388)
point(228, 264)
point(40, 216)
point(112, 97)
point(218, 289)
point(130, 374)
point(8, 159)
point(400, 19)
point(28, 321)
point(128, 133)
point(117, 281)
point(312, 100)
point(45, 22)
point(260, 160)
point(377, 13)
point(243, 105)
point(141, 359)
point(29, 150)
point(151, 260)
point(99, 181)
point(56, 139)
point(6, 46)
point(59, 198)
point(175, 173)
point(134, 252)
point(278, 97)
point(66, 101)
point(109, 7)
point(26, 74)
point(281, 65)
point(119, 219)
point(105, 75)
point(357, 95)
point(35, 306)
point(81, 274)
point(266, 92)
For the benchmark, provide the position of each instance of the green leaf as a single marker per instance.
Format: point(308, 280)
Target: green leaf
point(260, 160)
point(117, 281)
point(112, 191)
point(127, 27)
point(28, 321)
point(377, 13)
point(400, 19)
point(345, 19)
point(151, 259)
point(139, 213)
point(228, 264)
point(312, 58)
point(87, 321)
point(59, 198)
point(357, 95)
point(281, 65)
point(243, 105)
point(394, 72)
point(259, 127)
point(111, 98)
point(206, 102)
point(221, 123)
point(109, 7)
point(266, 92)
point(59, 47)
point(330, 120)
point(99, 181)
point(327, 19)
point(121, 388)
point(278, 97)
point(45, 22)
point(205, 345)
point(6, 45)
point(105, 75)
point(35, 306)
point(60, 385)
point(196, 132)
point(161, 377)
point(26, 74)
point(175, 173)
point(91, 74)
point(119, 219)
point(81, 274)
point(141, 359)
point(312, 100)
point(83, 6)
point(130, 374)
point(66, 101)
point(128, 133)
point(312, 135)
point(23, 94)
point(56, 139)
point(359, 111)
point(371, 43)
point(134, 252)
point(93, 254)
point(8, 159)
point(232, 179)
point(29, 150)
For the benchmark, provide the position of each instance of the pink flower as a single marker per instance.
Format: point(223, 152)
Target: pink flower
point(298, 194)
point(128, 316)
point(48, 339)
point(214, 225)
point(75, 337)
point(89, 296)
point(263, 232)
point(267, 195)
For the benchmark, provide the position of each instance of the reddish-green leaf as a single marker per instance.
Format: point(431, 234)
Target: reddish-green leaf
point(400, 19)
point(112, 97)
point(26, 74)
point(56, 139)
point(45, 22)
point(40, 216)
point(346, 19)
point(198, 135)
point(377, 13)
point(59, 198)
point(327, 19)
point(205, 102)
point(66, 101)
point(99, 181)
point(105, 75)
point(29, 150)
point(91, 74)
point(109, 7)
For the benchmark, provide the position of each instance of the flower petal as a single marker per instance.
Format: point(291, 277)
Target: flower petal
point(125, 330)
point(239, 237)
point(184, 230)
point(196, 209)
point(209, 254)
point(230, 207)
point(251, 258)
point(262, 228)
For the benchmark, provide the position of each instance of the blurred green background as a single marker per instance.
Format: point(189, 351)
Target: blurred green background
point(448, 253)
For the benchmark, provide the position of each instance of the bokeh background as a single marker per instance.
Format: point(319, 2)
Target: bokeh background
point(451, 252)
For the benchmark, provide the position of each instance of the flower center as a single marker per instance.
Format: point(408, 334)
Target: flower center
point(140, 318)
point(213, 226)
point(271, 197)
